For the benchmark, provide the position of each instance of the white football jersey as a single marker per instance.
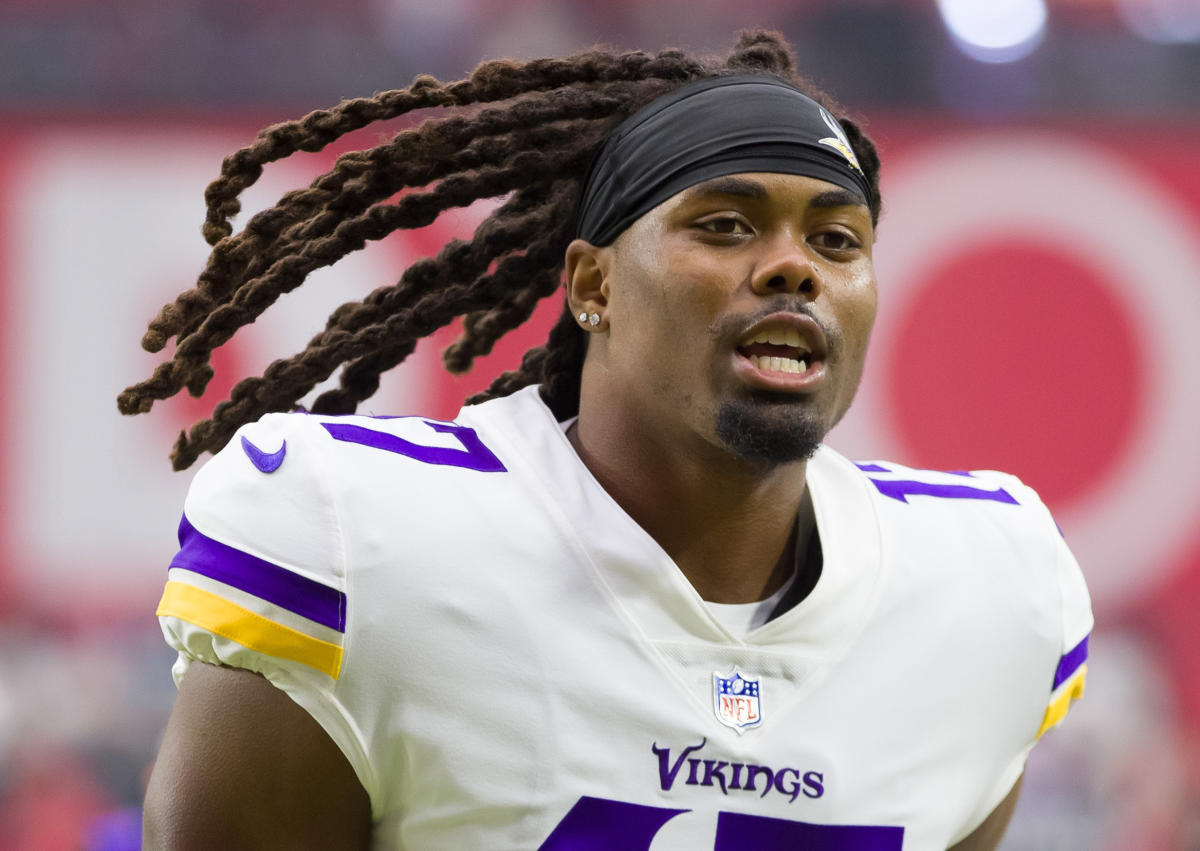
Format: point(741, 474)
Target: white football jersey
point(509, 661)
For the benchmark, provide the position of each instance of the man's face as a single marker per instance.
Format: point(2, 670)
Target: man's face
point(739, 311)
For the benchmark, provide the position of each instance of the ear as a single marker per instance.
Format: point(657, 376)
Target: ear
point(586, 275)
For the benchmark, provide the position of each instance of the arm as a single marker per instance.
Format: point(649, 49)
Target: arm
point(243, 766)
point(987, 836)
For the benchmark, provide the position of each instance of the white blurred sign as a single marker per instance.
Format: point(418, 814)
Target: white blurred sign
point(105, 229)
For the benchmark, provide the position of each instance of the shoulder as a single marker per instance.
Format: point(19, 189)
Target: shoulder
point(982, 535)
point(266, 493)
point(978, 501)
point(906, 485)
point(993, 535)
point(288, 487)
point(260, 572)
point(307, 456)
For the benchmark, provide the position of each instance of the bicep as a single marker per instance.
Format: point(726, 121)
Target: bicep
point(987, 836)
point(243, 766)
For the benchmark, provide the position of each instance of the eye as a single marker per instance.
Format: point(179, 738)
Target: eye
point(836, 241)
point(725, 225)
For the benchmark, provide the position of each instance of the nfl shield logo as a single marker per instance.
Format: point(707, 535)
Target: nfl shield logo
point(736, 701)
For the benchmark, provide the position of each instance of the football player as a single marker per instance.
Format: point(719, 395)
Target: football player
point(626, 599)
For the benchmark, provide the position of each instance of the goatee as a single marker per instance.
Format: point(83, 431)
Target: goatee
point(769, 428)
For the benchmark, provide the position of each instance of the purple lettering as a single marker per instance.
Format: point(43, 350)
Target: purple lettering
point(666, 776)
point(794, 788)
point(788, 782)
point(712, 769)
point(736, 781)
point(753, 772)
point(814, 784)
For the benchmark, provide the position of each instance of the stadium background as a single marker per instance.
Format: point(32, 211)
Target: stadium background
point(1038, 264)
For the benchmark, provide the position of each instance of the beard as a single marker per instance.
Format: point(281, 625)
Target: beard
point(769, 428)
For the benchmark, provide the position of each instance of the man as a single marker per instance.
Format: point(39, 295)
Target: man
point(638, 605)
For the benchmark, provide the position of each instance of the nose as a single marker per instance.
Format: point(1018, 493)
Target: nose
point(785, 267)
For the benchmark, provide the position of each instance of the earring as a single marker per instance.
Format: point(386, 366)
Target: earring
point(594, 319)
point(583, 316)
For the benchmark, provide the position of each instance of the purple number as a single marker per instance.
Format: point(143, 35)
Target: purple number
point(741, 830)
point(473, 456)
point(902, 488)
point(600, 824)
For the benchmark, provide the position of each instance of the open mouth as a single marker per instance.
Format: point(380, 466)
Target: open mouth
point(778, 350)
point(785, 353)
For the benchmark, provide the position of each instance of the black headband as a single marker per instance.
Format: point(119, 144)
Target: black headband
point(711, 128)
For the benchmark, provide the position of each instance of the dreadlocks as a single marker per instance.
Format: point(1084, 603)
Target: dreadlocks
point(533, 148)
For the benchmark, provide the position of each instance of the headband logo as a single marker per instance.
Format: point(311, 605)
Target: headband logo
point(839, 141)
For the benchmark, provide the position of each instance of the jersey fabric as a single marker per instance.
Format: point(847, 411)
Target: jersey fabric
point(509, 661)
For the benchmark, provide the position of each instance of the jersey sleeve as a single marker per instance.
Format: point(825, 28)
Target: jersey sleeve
point(1072, 616)
point(1071, 671)
point(259, 580)
point(1071, 627)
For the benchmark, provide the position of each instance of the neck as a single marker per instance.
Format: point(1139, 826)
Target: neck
point(732, 527)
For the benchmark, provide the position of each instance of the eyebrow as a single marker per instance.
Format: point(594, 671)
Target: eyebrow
point(837, 198)
point(740, 187)
point(736, 186)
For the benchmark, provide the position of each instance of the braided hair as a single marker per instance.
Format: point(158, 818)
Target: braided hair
point(529, 137)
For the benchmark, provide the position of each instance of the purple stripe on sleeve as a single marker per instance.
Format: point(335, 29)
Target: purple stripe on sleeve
point(1070, 662)
point(270, 582)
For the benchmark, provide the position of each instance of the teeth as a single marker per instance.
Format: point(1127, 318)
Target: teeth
point(773, 364)
point(781, 337)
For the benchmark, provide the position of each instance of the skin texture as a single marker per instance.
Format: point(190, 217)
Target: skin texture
point(677, 293)
point(244, 767)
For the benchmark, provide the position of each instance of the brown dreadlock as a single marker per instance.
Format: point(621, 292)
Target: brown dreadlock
point(533, 148)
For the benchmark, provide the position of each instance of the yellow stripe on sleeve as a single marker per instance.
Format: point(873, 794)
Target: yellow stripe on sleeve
point(229, 620)
point(1070, 691)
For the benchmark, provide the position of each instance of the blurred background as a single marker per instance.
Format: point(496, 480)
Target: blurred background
point(1038, 264)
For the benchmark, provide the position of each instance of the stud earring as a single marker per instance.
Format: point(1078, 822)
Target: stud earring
point(594, 319)
point(583, 316)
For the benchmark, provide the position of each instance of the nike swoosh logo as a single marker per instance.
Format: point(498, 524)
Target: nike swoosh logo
point(268, 462)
